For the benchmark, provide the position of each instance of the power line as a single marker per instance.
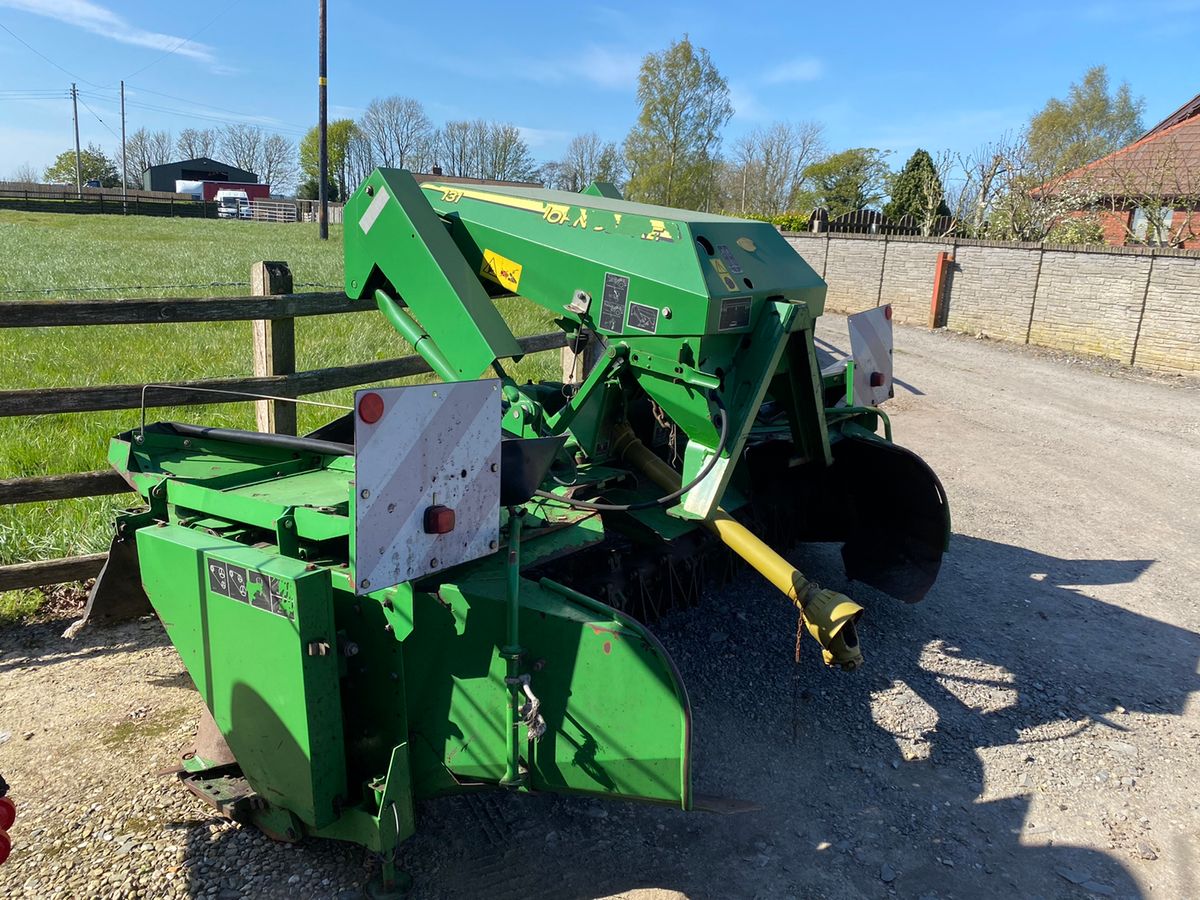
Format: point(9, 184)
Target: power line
point(290, 130)
point(32, 49)
point(206, 105)
point(98, 119)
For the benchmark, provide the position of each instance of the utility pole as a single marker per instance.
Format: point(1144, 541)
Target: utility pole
point(322, 128)
point(78, 164)
point(124, 167)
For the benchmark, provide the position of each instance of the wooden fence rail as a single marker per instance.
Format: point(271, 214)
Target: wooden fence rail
point(271, 307)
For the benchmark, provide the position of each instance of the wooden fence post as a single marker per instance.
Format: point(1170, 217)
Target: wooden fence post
point(274, 346)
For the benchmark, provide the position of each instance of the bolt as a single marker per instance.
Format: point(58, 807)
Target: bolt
point(187, 442)
point(492, 545)
point(388, 604)
point(433, 563)
point(388, 628)
point(666, 312)
point(495, 467)
point(393, 676)
point(364, 493)
point(366, 583)
point(288, 523)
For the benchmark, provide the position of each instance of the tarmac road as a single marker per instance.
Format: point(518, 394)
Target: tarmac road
point(1031, 729)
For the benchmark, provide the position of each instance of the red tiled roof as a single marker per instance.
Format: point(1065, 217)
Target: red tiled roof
point(1189, 109)
point(1164, 162)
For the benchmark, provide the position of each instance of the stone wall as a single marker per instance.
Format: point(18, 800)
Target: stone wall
point(1136, 305)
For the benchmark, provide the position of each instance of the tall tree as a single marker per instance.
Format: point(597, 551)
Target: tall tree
point(94, 164)
point(1090, 123)
point(766, 174)
point(278, 163)
point(341, 135)
point(506, 155)
point(399, 131)
point(242, 145)
point(672, 150)
point(851, 180)
point(589, 159)
point(144, 149)
point(482, 149)
point(454, 148)
point(196, 143)
point(917, 191)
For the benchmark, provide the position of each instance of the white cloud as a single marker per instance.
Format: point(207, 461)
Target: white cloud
point(746, 106)
point(804, 68)
point(607, 68)
point(541, 137)
point(106, 23)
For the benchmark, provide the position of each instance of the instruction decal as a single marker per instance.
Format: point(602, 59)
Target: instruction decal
point(735, 313)
point(643, 317)
point(612, 305)
point(501, 270)
point(729, 259)
point(249, 586)
point(218, 577)
point(237, 584)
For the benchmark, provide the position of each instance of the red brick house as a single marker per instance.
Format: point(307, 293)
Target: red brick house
point(1149, 191)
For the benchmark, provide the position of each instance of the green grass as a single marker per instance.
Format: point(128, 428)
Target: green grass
point(66, 253)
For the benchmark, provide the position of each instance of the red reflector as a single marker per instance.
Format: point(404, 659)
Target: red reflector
point(439, 520)
point(876, 379)
point(8, 813)
point(5, 846)
point(370, 408)
point(887, 312)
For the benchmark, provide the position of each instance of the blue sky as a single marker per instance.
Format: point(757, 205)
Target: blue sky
point(890, 75)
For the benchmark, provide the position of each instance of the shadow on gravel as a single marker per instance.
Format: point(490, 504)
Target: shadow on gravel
point(38, 644)
point(869, 783)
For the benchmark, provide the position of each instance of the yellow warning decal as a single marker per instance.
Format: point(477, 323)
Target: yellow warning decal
point(501, 270)
point(723, 273)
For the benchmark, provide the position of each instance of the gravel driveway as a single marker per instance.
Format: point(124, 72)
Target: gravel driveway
point(1031, 729)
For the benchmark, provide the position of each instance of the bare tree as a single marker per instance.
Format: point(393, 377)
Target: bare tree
point(26, 173)
point(589, 159)
point(278, 166)
point(144, 149)
point(506, 155)
point(360, 159)
point(196, 143)
point(454, 148)
point(242, 145)
point(765, 174)
point(399, 132)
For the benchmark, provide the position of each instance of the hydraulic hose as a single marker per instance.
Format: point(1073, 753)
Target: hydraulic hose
point(667, 499)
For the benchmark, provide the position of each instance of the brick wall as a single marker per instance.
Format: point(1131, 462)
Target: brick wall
point(1136, 305)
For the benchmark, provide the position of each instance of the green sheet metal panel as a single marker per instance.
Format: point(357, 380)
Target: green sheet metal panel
point(617, 715)
point(256, 633)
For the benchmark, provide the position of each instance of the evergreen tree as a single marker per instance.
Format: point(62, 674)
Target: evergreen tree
point(917, 191)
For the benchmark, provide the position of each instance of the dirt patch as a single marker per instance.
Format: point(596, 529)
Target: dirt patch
point(1030, 729)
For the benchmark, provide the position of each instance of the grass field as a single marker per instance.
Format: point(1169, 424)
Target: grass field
point(51, 255)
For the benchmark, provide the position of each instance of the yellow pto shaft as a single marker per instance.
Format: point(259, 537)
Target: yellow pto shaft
point(828, 615)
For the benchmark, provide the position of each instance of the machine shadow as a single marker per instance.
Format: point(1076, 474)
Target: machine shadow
point(868, 784)
point(871, 783)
